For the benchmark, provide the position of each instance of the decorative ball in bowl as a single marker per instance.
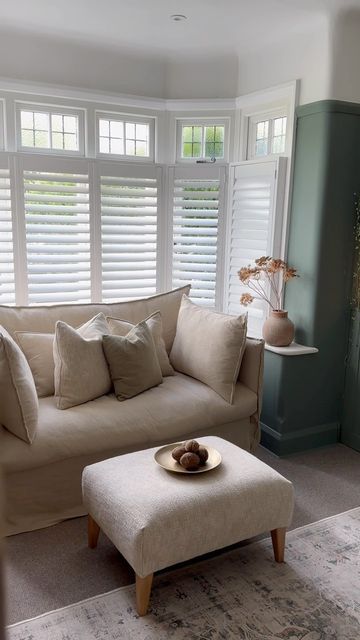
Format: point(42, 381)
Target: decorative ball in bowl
point(190, 455)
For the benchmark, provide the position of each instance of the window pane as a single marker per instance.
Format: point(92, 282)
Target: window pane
point(104, 127)
point(141, 148)
point(56, 122)
point(42, 139)
point(104, 145)
point(27, 120)
point(280, 126)
point(70, 141)
point(27, 138)
point(130, 130)
point(196, 150)
point(261, 148)
point(130, 147)
point(116, 129)
point(219, 150)
point(209, 134)
point(41, 121)
point(117, 146)
point(262, 130)
point(209, 149)
point(70, 124)
point(187, 134)
point(187, 150)
point(219, 134)
point(57, 140)
point(142, 132)
point(278, 144)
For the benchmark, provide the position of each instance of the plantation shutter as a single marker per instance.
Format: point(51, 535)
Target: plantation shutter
point(197, 199)
point(57, 231)
point(257, 194)
point(7, 272)
point(129, 231)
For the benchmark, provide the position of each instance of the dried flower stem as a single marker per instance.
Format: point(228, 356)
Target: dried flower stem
point(270, 270)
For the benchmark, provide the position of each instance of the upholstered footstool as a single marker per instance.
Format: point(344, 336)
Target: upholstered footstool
point(156, 518)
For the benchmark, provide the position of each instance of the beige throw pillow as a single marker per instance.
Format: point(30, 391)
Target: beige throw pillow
point(154, 323)
point(133, 362)
point(18, 399)
point(81, 371)
point(209, 346)
point(38, 349)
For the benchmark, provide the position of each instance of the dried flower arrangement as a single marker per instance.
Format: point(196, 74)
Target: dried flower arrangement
point(267, 270)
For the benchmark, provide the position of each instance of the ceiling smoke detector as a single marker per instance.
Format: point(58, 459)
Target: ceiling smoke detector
point(178, 17)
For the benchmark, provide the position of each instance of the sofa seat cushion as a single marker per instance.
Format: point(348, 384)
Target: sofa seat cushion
point(179, 405)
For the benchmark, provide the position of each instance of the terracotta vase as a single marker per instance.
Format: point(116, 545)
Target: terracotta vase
point(278, 330)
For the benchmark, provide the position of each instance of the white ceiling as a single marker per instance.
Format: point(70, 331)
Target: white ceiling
point(213, 26)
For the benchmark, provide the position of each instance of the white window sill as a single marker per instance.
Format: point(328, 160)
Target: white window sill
point(293, 349)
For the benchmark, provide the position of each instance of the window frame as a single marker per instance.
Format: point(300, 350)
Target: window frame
point(253, 121)
point(126, 118)
point(51, 110)
point(2, 125)
point(203, 122)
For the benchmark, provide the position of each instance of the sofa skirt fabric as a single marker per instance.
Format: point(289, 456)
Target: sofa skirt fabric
point(43, 496)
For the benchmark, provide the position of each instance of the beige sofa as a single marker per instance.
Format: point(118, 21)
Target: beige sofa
point(43, 480)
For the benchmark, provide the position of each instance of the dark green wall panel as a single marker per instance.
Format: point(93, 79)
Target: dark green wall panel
point(303, 395)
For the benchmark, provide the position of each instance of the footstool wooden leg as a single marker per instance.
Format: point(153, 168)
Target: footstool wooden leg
point(143, 589)
point(93, 532)
point(278, 541)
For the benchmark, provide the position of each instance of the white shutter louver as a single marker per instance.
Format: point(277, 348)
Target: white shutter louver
point(195, 234)
point(57, 228)
point(252, 234)
point(7, 276)
point(129, 215)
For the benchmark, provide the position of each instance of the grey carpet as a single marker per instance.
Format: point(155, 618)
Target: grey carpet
point(53, 567)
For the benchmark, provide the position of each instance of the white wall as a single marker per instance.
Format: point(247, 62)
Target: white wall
point(57, 61)
point(306, 56)
point(345, 78)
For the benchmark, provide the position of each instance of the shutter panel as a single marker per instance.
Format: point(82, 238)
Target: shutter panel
point(57, 227)
point(196, 198)
point(257, 191)
point(7, 275)
point(129, 219)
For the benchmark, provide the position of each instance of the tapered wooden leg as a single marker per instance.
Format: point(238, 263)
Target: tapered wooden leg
point(93, 532)
point(278, 541)
point(143, 589)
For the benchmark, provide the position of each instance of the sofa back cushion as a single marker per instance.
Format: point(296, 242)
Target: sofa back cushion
point(18, 399)
point(209, 346)
point(43, 319)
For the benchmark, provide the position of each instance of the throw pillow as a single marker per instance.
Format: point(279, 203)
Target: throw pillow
point(209, 346)
point(38, 349)
point(133, 362)
point(81, 373)
point(18, 399)
point(154, 323)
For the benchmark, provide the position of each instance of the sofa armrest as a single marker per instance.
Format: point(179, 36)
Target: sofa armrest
point(252, 367)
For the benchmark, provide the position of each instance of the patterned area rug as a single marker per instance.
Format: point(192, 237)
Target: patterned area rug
point(242, 594)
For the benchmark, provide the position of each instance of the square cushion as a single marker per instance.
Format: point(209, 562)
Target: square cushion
point(38, 349)
point(81, 372)
point(209, 346)
point(18, 399)
point(133, 361)
point(154, 323)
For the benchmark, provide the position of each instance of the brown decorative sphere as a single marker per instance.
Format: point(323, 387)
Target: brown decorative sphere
point(203, 454)
point(190, 461)
point(192, 445)
point(178, 452)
